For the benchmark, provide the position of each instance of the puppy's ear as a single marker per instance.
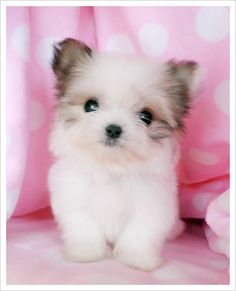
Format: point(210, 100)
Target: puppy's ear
point(182, 84)
point(68, 55)
point(186, 72)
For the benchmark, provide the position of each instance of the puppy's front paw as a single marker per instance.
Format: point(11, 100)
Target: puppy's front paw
point(138, 258)
point(84, 253)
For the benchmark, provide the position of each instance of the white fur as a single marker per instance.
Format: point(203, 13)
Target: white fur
point(120, 200)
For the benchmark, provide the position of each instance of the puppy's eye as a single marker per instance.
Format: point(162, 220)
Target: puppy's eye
point(91, 105)
point(145, 116)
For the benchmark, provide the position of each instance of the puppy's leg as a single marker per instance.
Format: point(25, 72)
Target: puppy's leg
point(83, 240)
point(140, 245)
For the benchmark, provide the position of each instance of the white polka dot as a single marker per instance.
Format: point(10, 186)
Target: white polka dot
point(169, 272)
point(20, 41)
point(45, 51)
point(36, 115)
point(222, 96)
point(12, 198)
point(220, 264)
point(222, 246)
point(212, 23)
point(178, 271)
point(202, 157)
point(200, 201)
point(120, 43)
point(153, 39)
point(106, 279)
point(213, 186)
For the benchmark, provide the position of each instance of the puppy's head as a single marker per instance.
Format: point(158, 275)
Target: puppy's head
point(115, 107)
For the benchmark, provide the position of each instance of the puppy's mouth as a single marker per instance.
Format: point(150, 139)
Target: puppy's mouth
point(111, 142)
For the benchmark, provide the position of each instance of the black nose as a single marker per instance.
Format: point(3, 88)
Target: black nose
point(113, 131)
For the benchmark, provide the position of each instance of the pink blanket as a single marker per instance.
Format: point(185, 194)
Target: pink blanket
point(34, 257)
point(196, 33)
point(217, 218)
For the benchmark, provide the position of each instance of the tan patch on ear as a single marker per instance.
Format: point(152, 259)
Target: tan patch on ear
point(184, 71)
point(178, 88)
point(68, 55)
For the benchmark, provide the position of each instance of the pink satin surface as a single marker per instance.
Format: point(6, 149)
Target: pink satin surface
point(34, 255)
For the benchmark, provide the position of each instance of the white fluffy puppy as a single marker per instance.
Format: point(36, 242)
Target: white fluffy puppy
point(116, 142)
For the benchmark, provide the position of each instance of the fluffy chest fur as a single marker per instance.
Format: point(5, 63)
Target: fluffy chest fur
point(111, 195)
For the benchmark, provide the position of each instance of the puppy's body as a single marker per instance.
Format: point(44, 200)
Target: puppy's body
point(133, 209)
point(116, 191)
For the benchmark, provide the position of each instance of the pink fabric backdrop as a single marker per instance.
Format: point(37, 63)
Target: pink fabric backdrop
point(194, 33)
point(198, 33)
